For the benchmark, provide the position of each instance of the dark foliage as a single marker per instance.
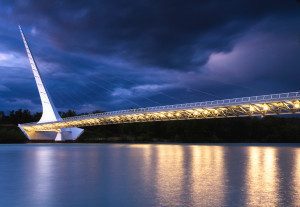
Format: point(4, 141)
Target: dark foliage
point(268, 129)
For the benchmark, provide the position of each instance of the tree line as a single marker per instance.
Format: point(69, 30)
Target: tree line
point(249, 129)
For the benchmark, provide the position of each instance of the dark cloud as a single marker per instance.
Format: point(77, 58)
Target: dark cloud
point(164, 34)
point(117, 50)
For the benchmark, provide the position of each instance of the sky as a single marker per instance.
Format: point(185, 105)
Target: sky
point(120, 54)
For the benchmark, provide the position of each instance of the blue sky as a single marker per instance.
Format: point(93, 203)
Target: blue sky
point(109, 55)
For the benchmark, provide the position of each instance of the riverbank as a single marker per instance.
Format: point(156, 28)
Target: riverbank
point(232, 130)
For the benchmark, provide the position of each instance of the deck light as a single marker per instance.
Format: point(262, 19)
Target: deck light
point(266, 107)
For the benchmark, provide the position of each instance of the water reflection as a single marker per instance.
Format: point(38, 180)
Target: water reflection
point(296, 176)
point(208, 175)
point(149, 175)
point(185, 174)
point(42, 171)
point(169, 174)
point(262, 177)
point(147, 157)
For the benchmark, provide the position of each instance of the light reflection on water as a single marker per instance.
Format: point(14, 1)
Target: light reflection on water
point(169, 174)
point(208, 175)
point(262, 177)
point(149, 175)
point(42, 163)
point(296, 176)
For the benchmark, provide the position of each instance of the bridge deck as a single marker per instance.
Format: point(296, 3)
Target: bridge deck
point(273, 104)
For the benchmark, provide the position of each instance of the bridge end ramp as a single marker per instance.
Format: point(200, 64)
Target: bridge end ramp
point(60, 135)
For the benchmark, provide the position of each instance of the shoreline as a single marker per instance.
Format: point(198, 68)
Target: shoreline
point(262, 144)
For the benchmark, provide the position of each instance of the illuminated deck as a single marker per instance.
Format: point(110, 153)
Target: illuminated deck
point(273, 104)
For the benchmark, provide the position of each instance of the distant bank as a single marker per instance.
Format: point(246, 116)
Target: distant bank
point(233, 130)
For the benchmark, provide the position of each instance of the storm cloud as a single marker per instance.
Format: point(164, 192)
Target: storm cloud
point(119, 54)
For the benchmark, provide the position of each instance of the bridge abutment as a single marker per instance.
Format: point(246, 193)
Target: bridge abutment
point(60, 135)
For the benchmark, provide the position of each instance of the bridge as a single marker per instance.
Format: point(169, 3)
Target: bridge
point(52, 127)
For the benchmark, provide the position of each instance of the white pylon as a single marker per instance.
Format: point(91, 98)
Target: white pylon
point(50, 113)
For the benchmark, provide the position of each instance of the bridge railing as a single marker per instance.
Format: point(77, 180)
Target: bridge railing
point(206, 104)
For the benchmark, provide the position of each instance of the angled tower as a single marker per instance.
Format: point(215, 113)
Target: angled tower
point(50, 113)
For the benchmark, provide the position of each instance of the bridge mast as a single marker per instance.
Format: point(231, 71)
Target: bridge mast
point(50, 113)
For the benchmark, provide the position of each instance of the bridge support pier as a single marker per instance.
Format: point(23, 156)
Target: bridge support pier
point(64, 134)
point(68, 134)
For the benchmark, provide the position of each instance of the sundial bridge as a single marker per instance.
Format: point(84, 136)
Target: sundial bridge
point(52, 127)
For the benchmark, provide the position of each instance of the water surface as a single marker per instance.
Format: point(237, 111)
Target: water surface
point(149, 175)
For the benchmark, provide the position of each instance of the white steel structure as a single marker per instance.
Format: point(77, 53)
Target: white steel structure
point(53, 127)
point(50, 113)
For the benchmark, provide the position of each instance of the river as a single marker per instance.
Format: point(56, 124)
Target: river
point(149, 175)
